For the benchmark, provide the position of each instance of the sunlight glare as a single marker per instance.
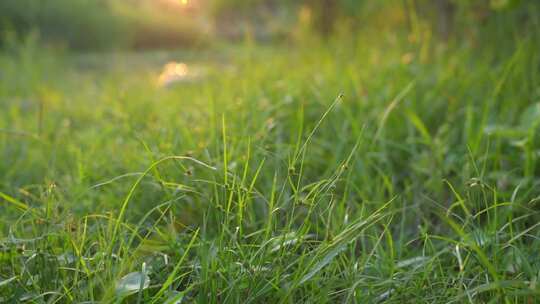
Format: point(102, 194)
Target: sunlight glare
point(173, 72)
point(177, 3)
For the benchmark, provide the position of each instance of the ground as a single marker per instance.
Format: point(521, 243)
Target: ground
point(336, 171)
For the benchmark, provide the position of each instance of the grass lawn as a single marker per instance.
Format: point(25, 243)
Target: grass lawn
point(348, 171)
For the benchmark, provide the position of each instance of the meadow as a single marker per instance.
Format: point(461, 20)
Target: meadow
point(385, 168)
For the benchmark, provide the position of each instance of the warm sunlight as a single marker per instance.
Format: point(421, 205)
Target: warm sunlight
point(270, 151)
point(173, 72)
point(177, 2)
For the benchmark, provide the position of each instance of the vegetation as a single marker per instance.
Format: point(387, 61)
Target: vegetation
point(387, 165)
point(102, 24)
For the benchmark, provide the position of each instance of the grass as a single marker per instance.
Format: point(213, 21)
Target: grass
point(359, 171)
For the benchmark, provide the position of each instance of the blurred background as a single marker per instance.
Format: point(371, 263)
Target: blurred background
point(166, 24)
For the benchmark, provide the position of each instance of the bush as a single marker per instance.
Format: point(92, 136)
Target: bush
point(99, 24)
point(80, 24)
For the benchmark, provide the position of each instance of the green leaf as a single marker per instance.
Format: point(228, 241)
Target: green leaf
point(175, 297)
point(7, 281)
point(327, 252)
point(132, 283)
point(323, 262)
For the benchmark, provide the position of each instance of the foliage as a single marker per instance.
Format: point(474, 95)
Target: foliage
point(82, 24)
point(385, 166)
point(99, 24)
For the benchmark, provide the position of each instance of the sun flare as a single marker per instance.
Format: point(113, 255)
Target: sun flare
point(180, 3)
